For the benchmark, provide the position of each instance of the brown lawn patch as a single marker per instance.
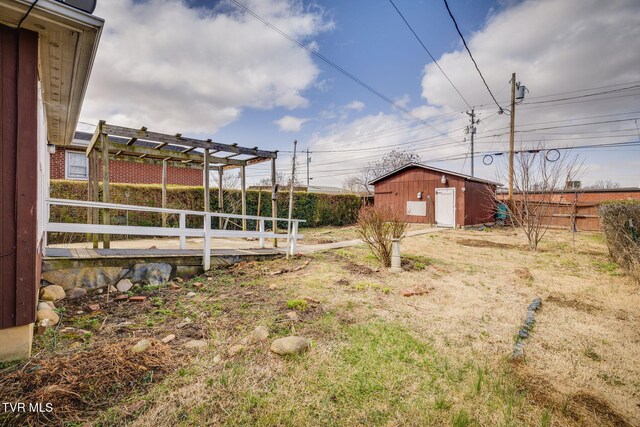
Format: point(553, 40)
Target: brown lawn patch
point(81, 384)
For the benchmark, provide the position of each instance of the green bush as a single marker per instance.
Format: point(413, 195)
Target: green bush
point(621, 228)
point(315, 208)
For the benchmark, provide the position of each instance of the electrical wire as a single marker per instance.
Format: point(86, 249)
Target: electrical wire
point(334, 65)
point(27, 14)
point(429, 53)
point(470, 55)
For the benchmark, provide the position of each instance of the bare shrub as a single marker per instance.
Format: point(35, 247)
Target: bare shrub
point(536, 182)
point(620, 225)
point(377, 226)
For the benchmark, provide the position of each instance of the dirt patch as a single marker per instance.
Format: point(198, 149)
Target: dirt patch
point(524, 273)
point(342, 282)
point(354, 268)
point(561, 301)
point(81, 384)
point(581, 407)
point(584, 405)
point(476, 243)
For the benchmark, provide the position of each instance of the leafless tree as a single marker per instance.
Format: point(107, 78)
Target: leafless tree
point(359, 182)
point(604, 184)
point(536, 181)
point(282, 179)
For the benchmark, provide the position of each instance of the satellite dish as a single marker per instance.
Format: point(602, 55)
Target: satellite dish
point(84, 5)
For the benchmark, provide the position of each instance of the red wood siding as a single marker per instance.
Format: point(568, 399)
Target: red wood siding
point(19, 259)
point(479, 201)
point(132, 172)
point(404, 186)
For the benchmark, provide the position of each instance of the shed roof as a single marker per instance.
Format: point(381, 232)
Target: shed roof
point(431, 168)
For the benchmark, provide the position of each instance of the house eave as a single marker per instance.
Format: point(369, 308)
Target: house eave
point(68, 41)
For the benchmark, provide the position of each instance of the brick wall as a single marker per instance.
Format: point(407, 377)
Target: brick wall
point(134, 173)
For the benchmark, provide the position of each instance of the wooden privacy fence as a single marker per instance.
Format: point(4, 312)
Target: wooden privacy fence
point(567, 215)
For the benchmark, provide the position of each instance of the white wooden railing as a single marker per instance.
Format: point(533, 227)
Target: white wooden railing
point(182, 231)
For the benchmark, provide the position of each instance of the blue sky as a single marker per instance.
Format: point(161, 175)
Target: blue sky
point(206, 69)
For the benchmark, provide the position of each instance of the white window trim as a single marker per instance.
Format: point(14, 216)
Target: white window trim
point(67, 164)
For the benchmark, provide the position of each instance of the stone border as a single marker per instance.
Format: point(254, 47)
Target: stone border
point(526, 328)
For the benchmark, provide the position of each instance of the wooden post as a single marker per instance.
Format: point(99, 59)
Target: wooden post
point(205, 179)
point(243, 182)
point(220, 194)
point(291, 188)
point(94, 163)
point(106, 214)
point(274, 202)
point(512, 133)
point(258, 209)
point(164, 191)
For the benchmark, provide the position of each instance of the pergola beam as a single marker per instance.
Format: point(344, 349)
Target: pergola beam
point(185, 142)
point(115, 147)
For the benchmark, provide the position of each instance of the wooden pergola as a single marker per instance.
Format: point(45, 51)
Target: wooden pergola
point(110, 142)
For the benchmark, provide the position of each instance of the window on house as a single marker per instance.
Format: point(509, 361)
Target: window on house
point(77, 165)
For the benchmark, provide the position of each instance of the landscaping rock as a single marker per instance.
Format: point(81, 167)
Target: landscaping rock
point(195, 344)
point(76, 293)
point(217, 359)
point(47, 317)
point(46, 305)
point(154, 274)
point(124, 285)
point(290, 345)
point(52, 293)
point(191, 294)
point(293, 316)
point(85, 277)
point(184, 323)
point(260, 333)
point(235, 349)
point(168, 338)
point(187, 271)
point(141, 346)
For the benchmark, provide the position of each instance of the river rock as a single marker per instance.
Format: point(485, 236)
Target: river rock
point(52, 293)
point(260, 333)
point(75, 293)
point(168, 338)
point(85, 277)
point(124, 285)
point(290, 345)
point(141, 346)
point(154, 273)
point(50, 316)
point(195, 344)
point(46, 305)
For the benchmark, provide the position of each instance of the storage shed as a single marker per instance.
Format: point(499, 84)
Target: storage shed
point(424, 194)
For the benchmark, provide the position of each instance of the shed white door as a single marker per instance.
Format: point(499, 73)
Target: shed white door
point(446, 207)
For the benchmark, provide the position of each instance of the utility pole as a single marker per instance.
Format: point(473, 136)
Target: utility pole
point(471, 129)
point(308, 161)
point(517, 94)
point(512, 132)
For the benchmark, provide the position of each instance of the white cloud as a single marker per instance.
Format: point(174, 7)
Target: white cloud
point(174, 68)
point(554, 46)
point(290, 123)
point(355, 105)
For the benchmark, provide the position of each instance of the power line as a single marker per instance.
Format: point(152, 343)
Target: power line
point(428, 53)
point(470, 55)
point(582, 96)
point(333, 64)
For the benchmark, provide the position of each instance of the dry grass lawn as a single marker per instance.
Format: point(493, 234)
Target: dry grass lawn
point(441, 357)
